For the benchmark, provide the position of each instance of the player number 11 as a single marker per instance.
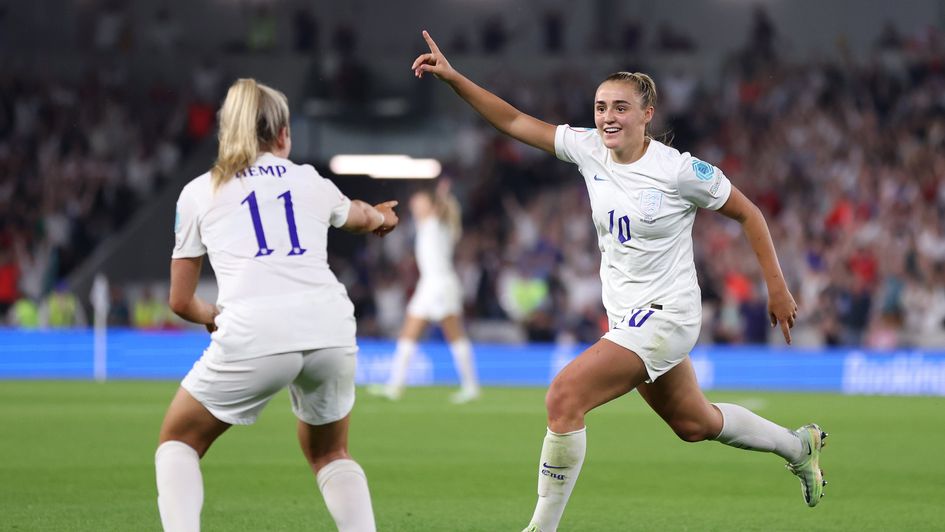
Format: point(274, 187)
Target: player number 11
point(264, 250)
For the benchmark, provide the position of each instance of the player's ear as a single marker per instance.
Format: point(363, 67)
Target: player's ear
point(284, 137)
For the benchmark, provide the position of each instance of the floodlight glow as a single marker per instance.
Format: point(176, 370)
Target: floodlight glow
point(385, 166)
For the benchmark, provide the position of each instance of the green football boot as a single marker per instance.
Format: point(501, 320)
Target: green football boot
point(808, 469)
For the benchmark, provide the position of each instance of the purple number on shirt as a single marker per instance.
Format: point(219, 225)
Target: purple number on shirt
point(257, 225)
point(297, 248)
point(264, 250)
point(623, 227)
point(637, 320)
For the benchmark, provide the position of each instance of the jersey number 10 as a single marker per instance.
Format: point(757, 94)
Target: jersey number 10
point(264, 250)
point(623, 227)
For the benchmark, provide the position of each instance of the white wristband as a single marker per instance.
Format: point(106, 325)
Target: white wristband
point(381, 219)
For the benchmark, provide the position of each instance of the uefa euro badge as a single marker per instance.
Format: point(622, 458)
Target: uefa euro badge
point(650, 201)
point(704, 171)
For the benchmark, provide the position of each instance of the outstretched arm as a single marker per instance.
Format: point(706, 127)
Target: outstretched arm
point(497, 111)
point(781, 306)
point(379, 219)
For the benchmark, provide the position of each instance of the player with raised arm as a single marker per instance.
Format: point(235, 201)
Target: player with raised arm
point(439, 293)
point(281, 318)
point(644, 196)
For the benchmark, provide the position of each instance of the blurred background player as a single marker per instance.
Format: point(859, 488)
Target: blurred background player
point(282, 318)
point(644, 196)
point(439, 294)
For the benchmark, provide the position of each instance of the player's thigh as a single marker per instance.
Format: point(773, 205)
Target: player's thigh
point(322, 444)
point(413, 327)
point(600, 374)
point(235, 392)
point(452, 326)
point(190, 422)
point(323, 391)
point(677, 398)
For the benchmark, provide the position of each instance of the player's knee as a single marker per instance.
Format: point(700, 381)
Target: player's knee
point(561, 401)
point(690, 430)
point(324, 458)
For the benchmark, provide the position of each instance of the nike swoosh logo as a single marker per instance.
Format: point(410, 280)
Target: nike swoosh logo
point(598, 178)
point(545, 464)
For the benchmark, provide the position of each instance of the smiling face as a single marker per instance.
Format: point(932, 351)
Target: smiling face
point(621, 116)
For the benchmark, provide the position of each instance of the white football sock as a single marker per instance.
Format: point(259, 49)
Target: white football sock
point(465, 364)
point(345, 490)
point(400, 362)
point(180, 486)
point(562, 456)
point(744, 429)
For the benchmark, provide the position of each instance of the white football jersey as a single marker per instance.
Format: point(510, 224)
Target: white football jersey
point(643, 213)
point(434, 248)
point(266, 234)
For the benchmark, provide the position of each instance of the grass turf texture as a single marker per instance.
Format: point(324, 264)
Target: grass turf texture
point(78, 456)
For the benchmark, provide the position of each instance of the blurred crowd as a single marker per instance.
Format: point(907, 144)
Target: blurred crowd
point(845, 158)
point(77, 160)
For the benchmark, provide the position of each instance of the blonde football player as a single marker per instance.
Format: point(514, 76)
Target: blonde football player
point(439, 294)
point(281, 318)
point(644, 197)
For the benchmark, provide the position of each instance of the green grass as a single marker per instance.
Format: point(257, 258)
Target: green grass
point(78, 456)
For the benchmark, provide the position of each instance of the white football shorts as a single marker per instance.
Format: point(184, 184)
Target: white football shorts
point(321, 384)
point(661, 338)
point(436, 298)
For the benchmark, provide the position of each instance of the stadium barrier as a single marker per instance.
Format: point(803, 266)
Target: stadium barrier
point(169, 354)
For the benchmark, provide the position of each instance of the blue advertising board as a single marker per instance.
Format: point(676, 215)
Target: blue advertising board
point(170, 354)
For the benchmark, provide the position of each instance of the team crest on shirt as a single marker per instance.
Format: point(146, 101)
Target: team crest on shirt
point(704, 171)
point(650, 201)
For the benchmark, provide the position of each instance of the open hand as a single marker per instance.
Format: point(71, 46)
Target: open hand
point(434, 62)
point(390, 217)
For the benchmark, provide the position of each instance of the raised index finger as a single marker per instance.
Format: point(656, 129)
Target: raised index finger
point(433, 47)
point(785, 328)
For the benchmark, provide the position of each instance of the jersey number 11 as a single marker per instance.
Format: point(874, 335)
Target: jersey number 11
point(264, 250)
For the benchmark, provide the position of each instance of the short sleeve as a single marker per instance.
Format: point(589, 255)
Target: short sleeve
point(571, 142)
point(341, 205)
point(187, 242)
point(703, 184)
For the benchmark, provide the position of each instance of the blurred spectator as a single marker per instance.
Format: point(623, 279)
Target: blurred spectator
point(9, 274)
point(150, 312)
point(113, 28)
point(61, 309)
point(207, 81)
point(119, 315)
point(889, 38)
point(24, 314)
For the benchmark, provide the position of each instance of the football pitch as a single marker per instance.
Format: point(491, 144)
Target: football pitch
point(79, 456)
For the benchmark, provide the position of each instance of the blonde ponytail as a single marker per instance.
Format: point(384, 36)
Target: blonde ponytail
point(452, 216)
point(250, 121)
